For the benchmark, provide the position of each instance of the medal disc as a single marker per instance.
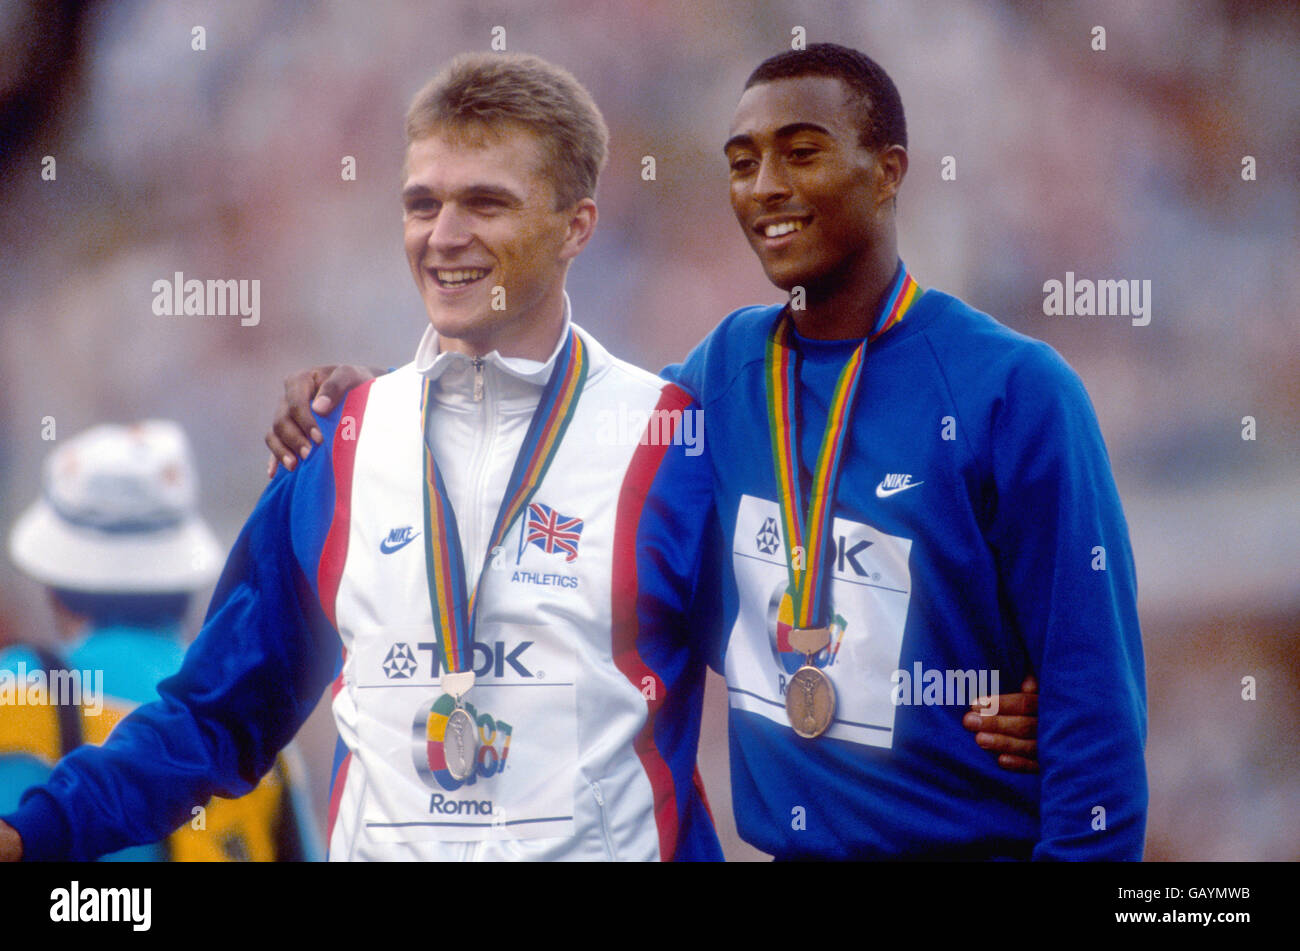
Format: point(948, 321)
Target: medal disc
point(460, 744)
point(810, 701)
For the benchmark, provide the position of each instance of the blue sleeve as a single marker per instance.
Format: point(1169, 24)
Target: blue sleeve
point(712, 352)
point(676, 557)
point(1066, 566)
point(681, 375)
point(248, 682)
point(675, 621)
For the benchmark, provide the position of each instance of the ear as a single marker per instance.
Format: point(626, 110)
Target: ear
point(582, 222)
point(891, 164)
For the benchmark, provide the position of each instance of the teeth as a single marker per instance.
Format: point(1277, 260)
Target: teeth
point(459, 277)
point(785, 227)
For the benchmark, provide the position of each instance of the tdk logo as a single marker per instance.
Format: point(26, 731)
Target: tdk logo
point(398, 538)
point(846, 555)
point(488, 659)
point(768, 538)
point(399, 663)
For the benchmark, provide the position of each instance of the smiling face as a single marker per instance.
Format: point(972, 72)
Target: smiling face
point(487, 247)
point(814, 203)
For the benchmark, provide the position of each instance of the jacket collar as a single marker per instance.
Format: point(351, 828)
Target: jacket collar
point(431, 363)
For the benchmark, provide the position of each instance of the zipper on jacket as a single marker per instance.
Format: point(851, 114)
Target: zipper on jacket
point(604, 821)
point(476, 526)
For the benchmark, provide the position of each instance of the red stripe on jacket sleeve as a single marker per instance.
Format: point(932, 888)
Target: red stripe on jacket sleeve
point(626, 624)
point(334, 553)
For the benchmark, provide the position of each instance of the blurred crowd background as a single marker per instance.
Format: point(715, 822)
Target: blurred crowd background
point(1122, 163)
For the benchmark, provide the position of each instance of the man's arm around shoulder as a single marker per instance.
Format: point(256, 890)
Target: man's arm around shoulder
point(1066, 563)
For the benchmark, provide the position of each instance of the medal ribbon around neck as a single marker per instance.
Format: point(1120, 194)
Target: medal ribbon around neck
point(449, 595)
point(806, 526)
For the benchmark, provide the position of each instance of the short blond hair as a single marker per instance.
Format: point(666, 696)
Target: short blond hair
point(485, 90)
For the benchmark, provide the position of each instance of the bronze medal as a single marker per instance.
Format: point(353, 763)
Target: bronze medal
point(810, 695)
point(810, 701)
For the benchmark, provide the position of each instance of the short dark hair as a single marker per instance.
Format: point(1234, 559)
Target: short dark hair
point(873, 94)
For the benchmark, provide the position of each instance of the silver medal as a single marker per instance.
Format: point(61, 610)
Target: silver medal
point(460, 744)
point(460, 738)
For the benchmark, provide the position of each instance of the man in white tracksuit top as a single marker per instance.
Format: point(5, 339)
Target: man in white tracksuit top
point(557, 661)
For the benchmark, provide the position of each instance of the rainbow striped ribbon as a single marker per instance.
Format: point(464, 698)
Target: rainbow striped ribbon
point(809, 576)
point(449, 595)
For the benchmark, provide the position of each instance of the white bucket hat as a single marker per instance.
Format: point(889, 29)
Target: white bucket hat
point(118, 515)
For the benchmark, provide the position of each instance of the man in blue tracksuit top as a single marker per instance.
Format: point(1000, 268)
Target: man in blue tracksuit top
point(977, 531)
point(970, 530)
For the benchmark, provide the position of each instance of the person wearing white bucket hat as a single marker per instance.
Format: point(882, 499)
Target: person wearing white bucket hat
point(117, 540)
point(118, 515)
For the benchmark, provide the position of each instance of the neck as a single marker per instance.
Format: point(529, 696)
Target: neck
point(533, 338)
point(844, 306)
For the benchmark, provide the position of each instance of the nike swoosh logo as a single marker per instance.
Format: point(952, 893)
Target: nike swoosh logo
point(883, 493)
point(389, 549)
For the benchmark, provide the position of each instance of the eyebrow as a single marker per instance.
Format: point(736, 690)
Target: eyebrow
point(473, 190)
point(785, 132)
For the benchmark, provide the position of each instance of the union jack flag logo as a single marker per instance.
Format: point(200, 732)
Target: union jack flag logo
point(551, 532)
